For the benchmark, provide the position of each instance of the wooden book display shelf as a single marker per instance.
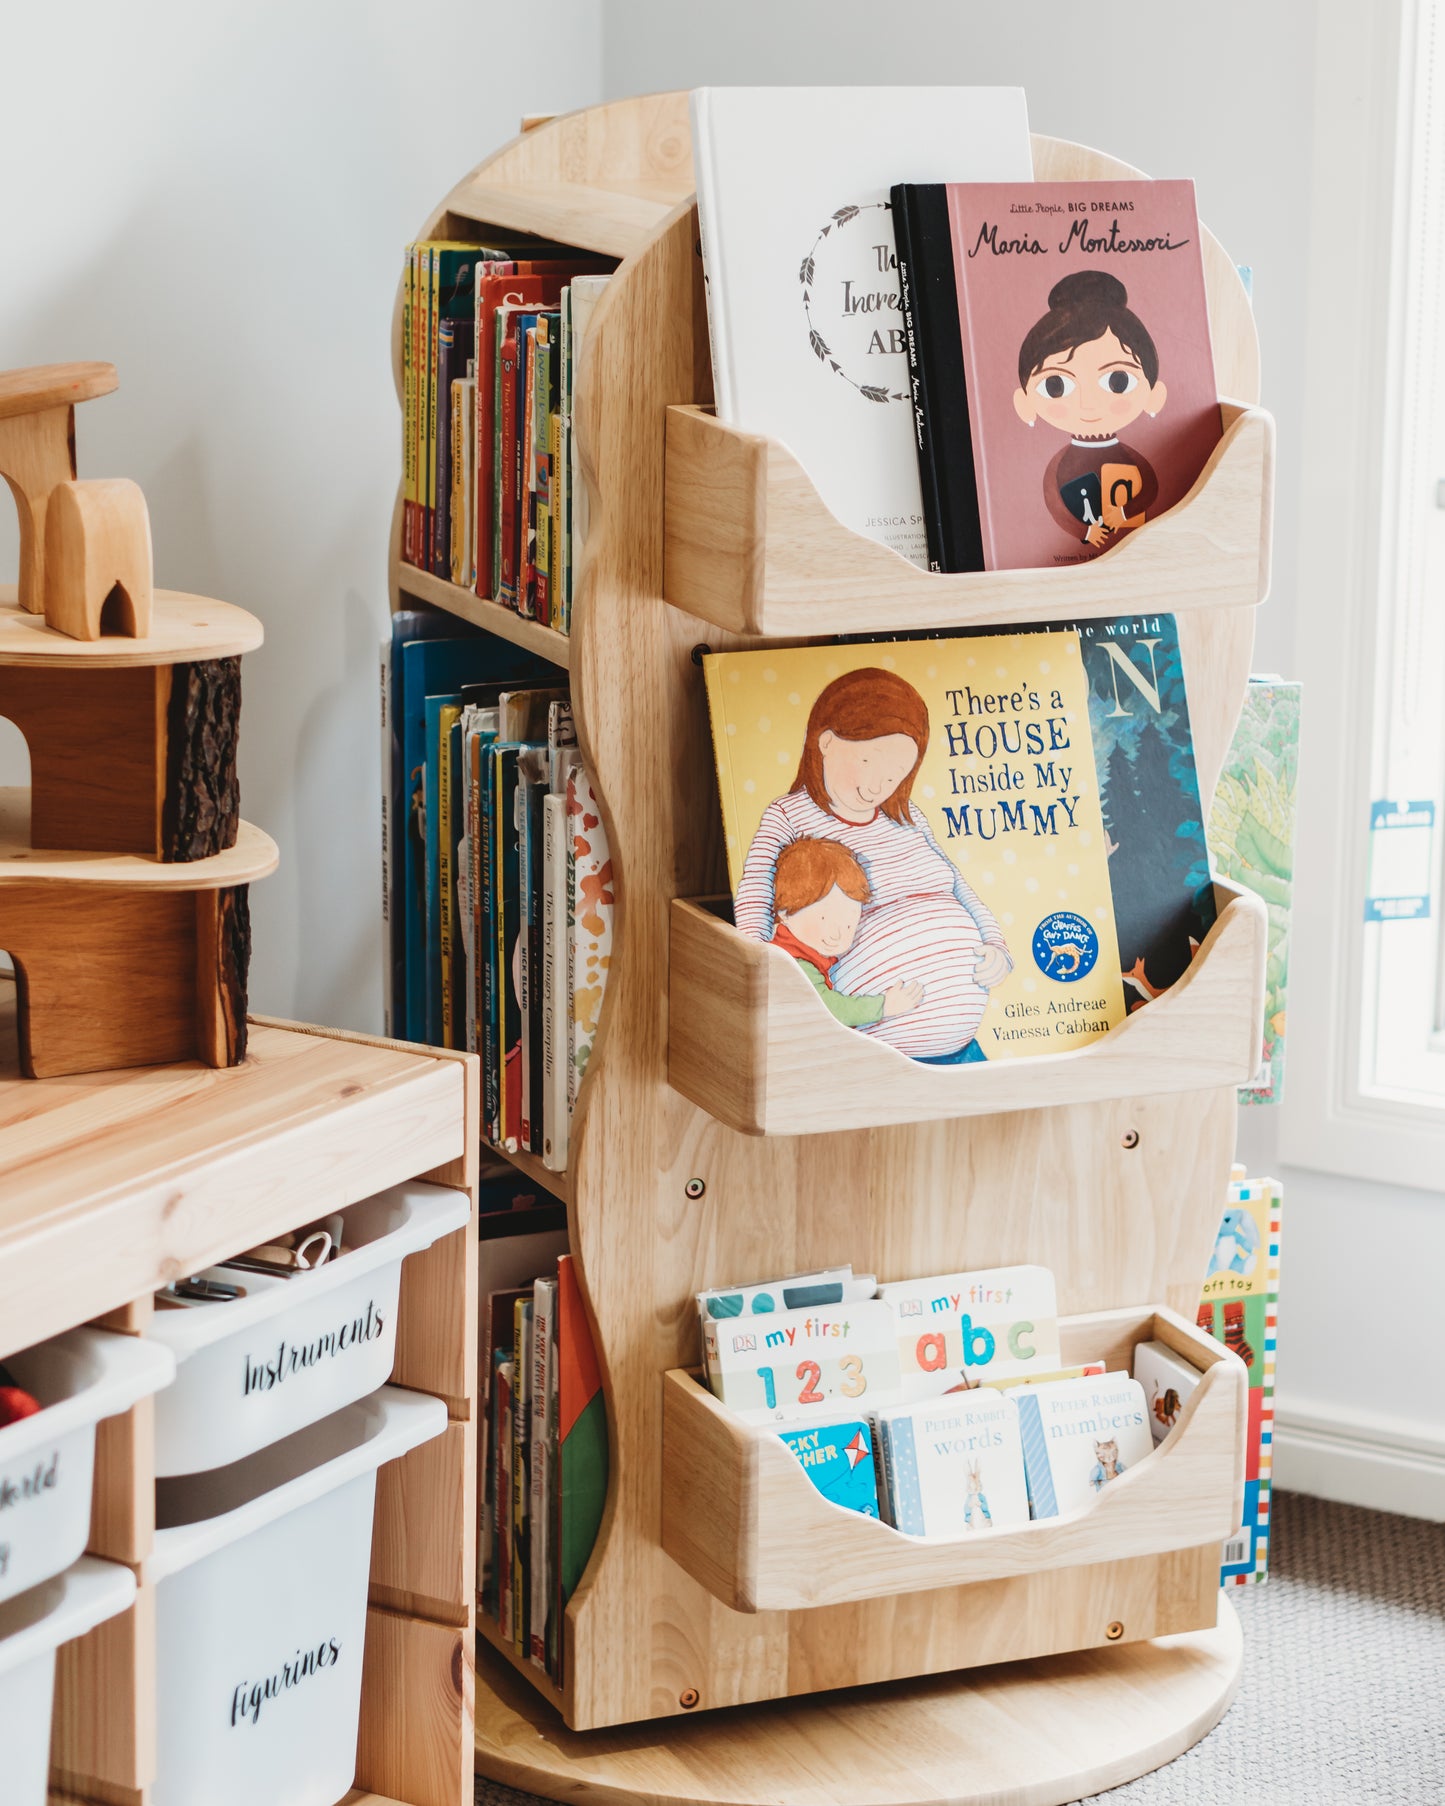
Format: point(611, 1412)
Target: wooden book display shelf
point(794, 1651)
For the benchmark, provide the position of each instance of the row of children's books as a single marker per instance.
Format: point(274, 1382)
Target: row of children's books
point(543, 1447)
point(981, 370)
point(972, 1420)
point(497, 882)
point(491, 494)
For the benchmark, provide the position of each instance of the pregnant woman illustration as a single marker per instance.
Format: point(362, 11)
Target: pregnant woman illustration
point(866, 737)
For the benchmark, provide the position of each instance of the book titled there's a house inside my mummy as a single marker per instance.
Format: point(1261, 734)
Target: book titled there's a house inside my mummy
point(917, 825)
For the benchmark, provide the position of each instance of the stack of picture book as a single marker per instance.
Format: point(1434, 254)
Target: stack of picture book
point(972, 1421)
point(982, 371)
point(497, 882)
point(490, 336)
point(977, 846)
point(542, 1451)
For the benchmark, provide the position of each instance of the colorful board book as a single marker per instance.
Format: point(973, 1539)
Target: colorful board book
point(838, 1458)
point(798, 250)
point(956, 1327)
point(784, 1365)
point(1240, 1307)
point(954, 1465)
point(957, 777)
point(1079, 1436)
point(1251, 840)
point(1086, 361)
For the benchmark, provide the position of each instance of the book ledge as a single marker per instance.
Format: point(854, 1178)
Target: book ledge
point(743, 1518)
point(752, 547)
point(728, 992)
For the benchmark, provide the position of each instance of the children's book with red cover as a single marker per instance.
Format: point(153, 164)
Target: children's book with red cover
point(1092, 405)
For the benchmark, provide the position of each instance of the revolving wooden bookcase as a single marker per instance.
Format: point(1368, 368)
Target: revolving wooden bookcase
point(701, 1155)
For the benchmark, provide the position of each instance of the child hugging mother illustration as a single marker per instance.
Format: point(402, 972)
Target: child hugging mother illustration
point(885, 927)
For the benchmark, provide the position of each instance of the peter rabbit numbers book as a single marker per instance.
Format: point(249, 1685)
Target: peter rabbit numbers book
point(954, 1465)
point(917, 825)
point(803, 294)
point(1079, 1436)
point(1092, 404)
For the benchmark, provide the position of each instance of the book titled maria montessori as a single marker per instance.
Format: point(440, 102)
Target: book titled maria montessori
point(1084, 327)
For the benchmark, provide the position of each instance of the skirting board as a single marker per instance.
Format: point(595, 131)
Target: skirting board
point(1382, 1463)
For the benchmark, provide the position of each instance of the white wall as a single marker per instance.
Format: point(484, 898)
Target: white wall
point(1225, 96)
point(215, 198)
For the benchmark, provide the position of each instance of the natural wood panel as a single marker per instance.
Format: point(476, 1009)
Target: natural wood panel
point(183, 628)
point(254, 856)
point(122, 1180)
point(728, 991)
point(423, 1543)
point(416, 1712)
point(103, 1729)
point(123, 1498)
point(42, 386)
point(490, 1632)
point(612, 221)
point(1032, 1734)
point(745, 1520)
point(37, 452)
point(752, 547)
point(506, 623)
point(436, 1346)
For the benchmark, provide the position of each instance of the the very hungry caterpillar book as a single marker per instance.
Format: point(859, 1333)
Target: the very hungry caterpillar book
point(1091, 399)
point(963, 911)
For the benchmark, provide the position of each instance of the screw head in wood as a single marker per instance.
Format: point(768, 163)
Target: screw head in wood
point(1129, 1139)
point(1115, 1631)
point(688, 1698)
point(695, 1188)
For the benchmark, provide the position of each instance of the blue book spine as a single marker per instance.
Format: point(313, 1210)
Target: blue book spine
point(433, 922)
point(1037, 1472)
point(900, 1458)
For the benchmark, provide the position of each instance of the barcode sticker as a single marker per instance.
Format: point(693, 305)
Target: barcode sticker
point(1236, 1550)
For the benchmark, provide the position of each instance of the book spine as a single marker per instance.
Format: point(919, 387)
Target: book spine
point(1038, 1474)
point(526, 475)
point(429, 402)
point(408, 403)
point(507, 468)
point(487, 962)
point(542, 1295)
point(923, 444)
point(541, 480)
point(521, 1491)
point(445, 891)
point(468, 575)
point(458, 560)
point(562, 468)
point(474, 885)
point(526, 968)
point(503, 1533)
point(554, 980)
point(388, 829)
point(441, 540)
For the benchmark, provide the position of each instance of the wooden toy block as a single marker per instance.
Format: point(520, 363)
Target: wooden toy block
point(37, 451)
point(98, 567)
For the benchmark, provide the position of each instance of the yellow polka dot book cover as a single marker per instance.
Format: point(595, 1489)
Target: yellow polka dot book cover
point(918, 825)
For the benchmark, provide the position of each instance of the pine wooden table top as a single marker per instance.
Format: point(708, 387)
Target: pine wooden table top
point(114, 1183)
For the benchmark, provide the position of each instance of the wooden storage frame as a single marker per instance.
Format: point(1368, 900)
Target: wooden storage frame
point(700, 534)
point(114, 1183)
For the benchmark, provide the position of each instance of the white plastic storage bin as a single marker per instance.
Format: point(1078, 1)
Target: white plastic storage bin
point(294, 1350)
point(261, 1574)
point(32, 1628)
point(47, 1461)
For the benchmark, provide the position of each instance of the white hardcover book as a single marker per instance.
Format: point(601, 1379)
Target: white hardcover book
point(988, 1325)
point(554, 983)
point(954, 1464)
point(804, 312)
point(1078, 1437)
point(1168, 1381)
point(828, 1285)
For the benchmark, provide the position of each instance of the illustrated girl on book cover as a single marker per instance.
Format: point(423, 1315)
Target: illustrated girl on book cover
point(1089, 369)
point(923, 929)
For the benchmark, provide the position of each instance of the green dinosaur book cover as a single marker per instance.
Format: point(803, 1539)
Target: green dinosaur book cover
point(1251, 841)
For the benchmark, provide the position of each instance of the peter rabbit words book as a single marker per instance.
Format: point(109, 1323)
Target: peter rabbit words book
point(1091, 399)
point(917, 825)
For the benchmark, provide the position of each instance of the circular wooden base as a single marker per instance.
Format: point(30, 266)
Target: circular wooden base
point(1027, 1734)
point(184, 629)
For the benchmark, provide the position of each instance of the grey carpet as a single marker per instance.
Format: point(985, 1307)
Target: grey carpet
point(1343, 1695)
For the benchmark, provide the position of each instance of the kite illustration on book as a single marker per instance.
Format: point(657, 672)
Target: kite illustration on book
point(938, 867)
